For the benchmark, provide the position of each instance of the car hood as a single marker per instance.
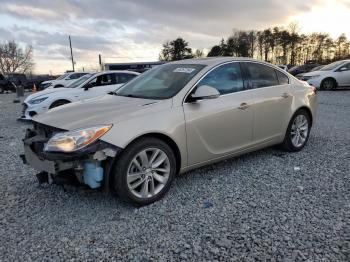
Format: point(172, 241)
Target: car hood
point(107, 109)
point(314, 73)
point(45, 92)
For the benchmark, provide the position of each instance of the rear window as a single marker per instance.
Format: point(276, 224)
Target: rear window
point(261, 75)
point(282, 78)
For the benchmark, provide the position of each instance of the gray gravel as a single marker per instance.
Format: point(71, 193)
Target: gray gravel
point(267, 205)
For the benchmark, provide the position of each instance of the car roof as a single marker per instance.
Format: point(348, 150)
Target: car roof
point(115, 71)
point(344, 61)
point(210, 61)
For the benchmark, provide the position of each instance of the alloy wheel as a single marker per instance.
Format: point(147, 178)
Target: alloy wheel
point(328, 84)
point(299, 130)
point(148, 172)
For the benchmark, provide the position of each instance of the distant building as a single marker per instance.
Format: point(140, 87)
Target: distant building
point(135, 66)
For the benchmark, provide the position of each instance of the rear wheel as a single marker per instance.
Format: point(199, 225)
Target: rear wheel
point(328, 84)
point(145, 171)
point(59, 103)
point(298, 131)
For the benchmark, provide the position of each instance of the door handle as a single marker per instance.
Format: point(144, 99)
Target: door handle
point(243, 106)
point(285, 95)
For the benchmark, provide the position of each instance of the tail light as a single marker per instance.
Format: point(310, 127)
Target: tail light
point(314, 90)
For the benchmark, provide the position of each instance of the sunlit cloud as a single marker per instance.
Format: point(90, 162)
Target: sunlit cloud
point(331, 17)
point(31, 11)
point(125, 30)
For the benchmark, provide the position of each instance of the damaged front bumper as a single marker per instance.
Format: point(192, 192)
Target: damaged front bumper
point(90, 165)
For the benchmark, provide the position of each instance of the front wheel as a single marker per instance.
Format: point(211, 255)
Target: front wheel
point(298, 131)
point(328, 84)
point(145, 171)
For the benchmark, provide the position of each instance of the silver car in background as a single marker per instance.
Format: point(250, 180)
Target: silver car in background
point(171, 119)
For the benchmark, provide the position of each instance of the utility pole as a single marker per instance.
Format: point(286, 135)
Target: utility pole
point(100, 61)
point(71, 52)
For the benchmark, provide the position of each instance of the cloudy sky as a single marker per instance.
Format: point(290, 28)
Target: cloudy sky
point(134, 30)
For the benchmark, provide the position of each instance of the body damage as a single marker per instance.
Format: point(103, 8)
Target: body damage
point(199, 133)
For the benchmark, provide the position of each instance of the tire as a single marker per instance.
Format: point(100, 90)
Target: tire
point(59, 103)
point(296, 136)
point(328, 84)
point(137, 188)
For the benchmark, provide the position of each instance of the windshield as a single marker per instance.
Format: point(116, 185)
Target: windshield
point(332, 66)
point(61, 77)
point(80, 81)
point(161, 82)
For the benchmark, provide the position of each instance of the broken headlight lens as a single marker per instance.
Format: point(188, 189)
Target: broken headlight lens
point(74, 140)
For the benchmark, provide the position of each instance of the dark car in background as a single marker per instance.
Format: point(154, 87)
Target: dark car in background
point(6, 85)
point(300, 76)
point(296, 70)
point(28, 82)
point(17, 78)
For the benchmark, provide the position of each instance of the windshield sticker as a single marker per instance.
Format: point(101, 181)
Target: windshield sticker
point(186, 70)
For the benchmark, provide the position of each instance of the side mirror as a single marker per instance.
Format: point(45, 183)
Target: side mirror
point(205, 92)
point(88, 86)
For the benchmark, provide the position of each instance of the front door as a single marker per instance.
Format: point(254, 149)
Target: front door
point(218, 127)
point(100, 85)
point(343, 77)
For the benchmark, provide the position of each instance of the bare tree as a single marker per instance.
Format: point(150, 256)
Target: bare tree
point(14, 58)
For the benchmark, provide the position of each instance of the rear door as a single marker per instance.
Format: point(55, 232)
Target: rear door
point(272, 101)
point(218, 127)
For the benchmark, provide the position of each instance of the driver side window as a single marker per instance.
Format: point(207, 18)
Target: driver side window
point(102, 80)
point(226, 79)
point(347, 66)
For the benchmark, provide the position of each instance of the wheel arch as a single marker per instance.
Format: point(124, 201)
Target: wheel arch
point(60, 99)
point(308, 111)
point(165, 138)
point(329, 77)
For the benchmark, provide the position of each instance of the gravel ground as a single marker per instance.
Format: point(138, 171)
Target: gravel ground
point(267, 205)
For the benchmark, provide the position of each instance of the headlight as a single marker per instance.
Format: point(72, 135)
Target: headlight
point(310, 77)
point(76, 139)
point(37, 101)
point(46, 85)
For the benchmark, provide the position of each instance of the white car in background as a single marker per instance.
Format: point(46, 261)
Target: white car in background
point(62, 81)
point(331, 76)
point(88, 86)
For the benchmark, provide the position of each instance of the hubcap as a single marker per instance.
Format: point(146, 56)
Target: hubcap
point(148, 172)
point(328, 84)
point(299, 131)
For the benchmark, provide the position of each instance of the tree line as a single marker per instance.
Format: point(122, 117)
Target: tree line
point(277, 45)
